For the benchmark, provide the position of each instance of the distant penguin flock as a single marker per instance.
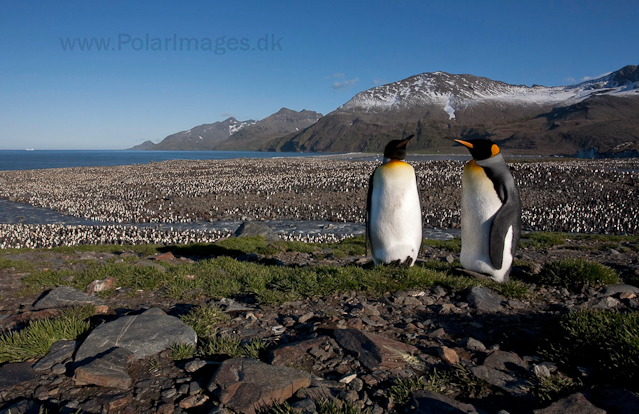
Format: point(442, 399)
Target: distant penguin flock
point(490, 210)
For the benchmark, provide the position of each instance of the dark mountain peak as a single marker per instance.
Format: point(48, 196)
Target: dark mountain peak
point(627, 74)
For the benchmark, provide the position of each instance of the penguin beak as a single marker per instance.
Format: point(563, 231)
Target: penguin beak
point(465, 143)
point(405, 142)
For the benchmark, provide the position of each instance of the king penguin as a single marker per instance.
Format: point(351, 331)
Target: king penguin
point(490, 212)
point(393, 212)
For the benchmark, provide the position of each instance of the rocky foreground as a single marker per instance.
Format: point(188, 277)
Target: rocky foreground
point(446, 347)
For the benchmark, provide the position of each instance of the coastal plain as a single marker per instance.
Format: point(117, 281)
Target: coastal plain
point(195, 315)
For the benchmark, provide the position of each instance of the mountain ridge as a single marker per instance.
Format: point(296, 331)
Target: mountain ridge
point(438, 107)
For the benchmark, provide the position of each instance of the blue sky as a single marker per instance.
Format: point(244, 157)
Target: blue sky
point(319, 55)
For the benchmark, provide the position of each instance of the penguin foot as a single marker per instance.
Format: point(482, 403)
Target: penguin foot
point(399, 263)
point(471, 273)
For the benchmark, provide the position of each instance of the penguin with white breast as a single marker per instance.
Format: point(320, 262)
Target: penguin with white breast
point(490, 212)
point(393, 211)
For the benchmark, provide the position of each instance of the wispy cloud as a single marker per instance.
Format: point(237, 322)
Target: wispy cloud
point(345, 84)
point(378, 81)
point(227, 115)
point(587, 78)
point(335, 75)
point(570, 79)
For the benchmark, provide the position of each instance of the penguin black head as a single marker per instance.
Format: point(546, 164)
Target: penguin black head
point(480, 149)
point(396, 149)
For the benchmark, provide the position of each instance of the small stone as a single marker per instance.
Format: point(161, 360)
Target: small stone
point(193, 401)
point(170, 393)
point(473, 344)
point(448, 355)
point(166, 408)
point(194, 365)
point(278, 329)
point(256, 228)
point(606, 303)
point(428, 402)
point(573, 404)
point(346, 379)
point(450, 258)
point(374, 350)
point(306, 406)
point(541, 371)
point(356, 385)
point(168, 256)
point(437, 333)
point(59, 369)
point(41, 393)
point(194, 388)
point(484, 299)
point(438, 291)
point(348, 396)
point(116, 402)
point(58, 352)
point(101, 285)
point(306, 317)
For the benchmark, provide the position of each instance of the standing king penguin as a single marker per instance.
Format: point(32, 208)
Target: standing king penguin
point(393, 212)
point(490, 212)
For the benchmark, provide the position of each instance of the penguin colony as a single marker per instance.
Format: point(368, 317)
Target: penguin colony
point(589, 196)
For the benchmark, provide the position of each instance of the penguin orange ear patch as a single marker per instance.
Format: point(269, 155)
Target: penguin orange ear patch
point(494, 150)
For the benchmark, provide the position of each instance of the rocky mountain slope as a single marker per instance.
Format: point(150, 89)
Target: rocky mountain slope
point(596, 115)
point(200, 138)
point(282, 123)
point(232, 134)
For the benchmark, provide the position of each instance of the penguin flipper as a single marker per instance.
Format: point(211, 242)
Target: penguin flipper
point(368, 212)
point(505, 219)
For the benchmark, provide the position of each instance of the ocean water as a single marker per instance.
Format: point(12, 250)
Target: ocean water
point(38, 159)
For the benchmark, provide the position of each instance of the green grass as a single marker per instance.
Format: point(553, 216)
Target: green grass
point(231, 346)
point(555, 387)
point(36, 338)
point(18, 265)
point(576, 274)
point(443, 382)
point(543, 239)
point(606, 341)
point(453, 245)
point(180, 352)
point(332, 406)
point(227, 277)
point(204, 319)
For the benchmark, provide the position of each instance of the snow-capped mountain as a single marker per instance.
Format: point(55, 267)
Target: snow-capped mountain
point(454, 92)
point(281, 123)
point(436, 107)
point(200, 138)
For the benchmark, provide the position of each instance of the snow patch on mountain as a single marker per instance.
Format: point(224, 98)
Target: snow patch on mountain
point(452, 92)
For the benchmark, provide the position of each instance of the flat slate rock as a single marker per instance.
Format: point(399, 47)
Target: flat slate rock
point(14, 374)
point(144, 335)
point(428, 402)
point(484, 299)
point(572, 404)
point(500, 369)
point(66, 296)
point(246, 385)
point(256, 228)
point(107, 370)
point(58, 352)
point(374, 350)
point(611, 290)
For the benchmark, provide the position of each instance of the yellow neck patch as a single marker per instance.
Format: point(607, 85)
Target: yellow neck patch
point(494, 150)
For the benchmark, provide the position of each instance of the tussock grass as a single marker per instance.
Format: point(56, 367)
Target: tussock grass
point(180, 352)
point(607, 341)
point(204, 319)
point(554, 387)
point(36, 338)
point(576, 274)
point(543, 239)
point(231, 346)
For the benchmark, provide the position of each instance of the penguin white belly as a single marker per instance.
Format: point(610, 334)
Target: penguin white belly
point(395, 225)
point(480, 203)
